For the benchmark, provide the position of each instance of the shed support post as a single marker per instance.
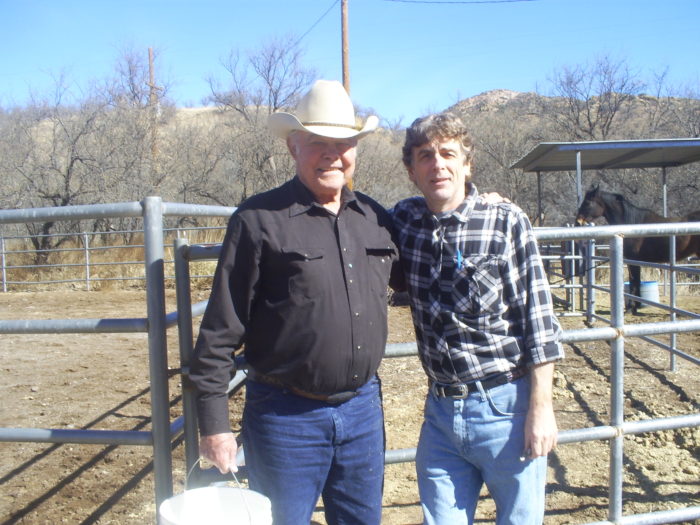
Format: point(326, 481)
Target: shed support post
point(579, 192)
point(539, 199)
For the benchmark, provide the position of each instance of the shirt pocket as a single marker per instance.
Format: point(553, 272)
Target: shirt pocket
point(477, 288)
point(379, 260)
point(304, 271)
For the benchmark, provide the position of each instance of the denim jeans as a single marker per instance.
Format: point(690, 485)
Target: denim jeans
point(297, 449)
point(465, 443)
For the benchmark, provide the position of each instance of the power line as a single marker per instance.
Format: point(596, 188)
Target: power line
point(460, 1)
point(317, 21)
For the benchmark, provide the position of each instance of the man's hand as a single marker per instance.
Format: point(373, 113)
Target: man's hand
point(540, 424)
point(221, 450)
point(493, 198)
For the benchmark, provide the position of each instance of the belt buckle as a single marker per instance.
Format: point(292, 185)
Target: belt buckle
point(463, 391)
point(441, 390)
point(341, 397)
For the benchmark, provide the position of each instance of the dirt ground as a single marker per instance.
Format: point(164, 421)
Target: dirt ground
point(99, 381)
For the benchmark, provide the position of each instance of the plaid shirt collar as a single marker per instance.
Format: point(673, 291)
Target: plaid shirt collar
point(461, 214)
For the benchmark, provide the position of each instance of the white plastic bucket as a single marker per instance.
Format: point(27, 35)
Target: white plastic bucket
point(648, 290)
point(216, 506)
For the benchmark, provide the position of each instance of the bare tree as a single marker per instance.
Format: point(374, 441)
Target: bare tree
point(380, 172)
point(591, 98)
point(686, 112)
point(258, 83)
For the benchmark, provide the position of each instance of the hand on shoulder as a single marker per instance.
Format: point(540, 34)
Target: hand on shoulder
point(493, 198)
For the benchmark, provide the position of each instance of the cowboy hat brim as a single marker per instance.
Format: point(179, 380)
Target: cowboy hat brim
point(282, 124)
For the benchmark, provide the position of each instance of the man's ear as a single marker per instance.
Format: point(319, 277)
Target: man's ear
point(291, 147)
point(409, 172)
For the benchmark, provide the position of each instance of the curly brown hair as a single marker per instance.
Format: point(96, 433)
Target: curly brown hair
point(439, 125)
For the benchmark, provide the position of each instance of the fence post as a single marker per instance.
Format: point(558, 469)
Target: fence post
point(571, 273)
point(672, 297)
point(185, 335)
point(86, 251)
point(2, 261)
point(617, 393)
point(590, 280)
point(157, 346)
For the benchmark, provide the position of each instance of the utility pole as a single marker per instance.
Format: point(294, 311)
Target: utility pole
point(153, 107)
point(346, 61)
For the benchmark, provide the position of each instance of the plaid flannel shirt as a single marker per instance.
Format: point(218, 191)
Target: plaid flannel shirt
point(480, 298)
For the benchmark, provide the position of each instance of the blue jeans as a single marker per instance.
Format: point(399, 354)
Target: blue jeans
point(297, 449)
point(465, 443)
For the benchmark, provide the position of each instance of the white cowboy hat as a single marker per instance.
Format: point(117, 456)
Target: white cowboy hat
point(325, 110)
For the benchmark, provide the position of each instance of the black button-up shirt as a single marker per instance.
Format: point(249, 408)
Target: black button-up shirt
point(303, 289)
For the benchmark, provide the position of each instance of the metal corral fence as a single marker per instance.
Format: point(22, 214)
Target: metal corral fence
point(90, 258)
point(164, 431)
point(573, 265)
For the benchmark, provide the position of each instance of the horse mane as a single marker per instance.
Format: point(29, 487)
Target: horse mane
point(631, 213)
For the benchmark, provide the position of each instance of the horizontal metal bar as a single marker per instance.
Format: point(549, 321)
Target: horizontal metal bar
point(662, 423)
point(589, 334)
point(90, 437)
point(400, 455)
point(198, 308)
point(578, 435)
point(626, 230)
point(672, 350)
point(654, 518)
point(401, 350)
point(85, 211)
point(198, 252)
point(177, 426)
point(73, 326)
point(192, 210)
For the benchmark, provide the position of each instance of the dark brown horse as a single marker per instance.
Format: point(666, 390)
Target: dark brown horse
point(618, 210)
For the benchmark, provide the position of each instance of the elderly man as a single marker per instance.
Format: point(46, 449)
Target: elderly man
point(301, 283)
point(486, 332)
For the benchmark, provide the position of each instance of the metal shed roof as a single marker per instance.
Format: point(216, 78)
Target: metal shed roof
point(610, 154)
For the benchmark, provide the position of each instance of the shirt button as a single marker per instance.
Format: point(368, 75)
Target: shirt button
point(350, 281)
point(357, 314)
point(349, 265)
point(354, 378)
point(359, 347)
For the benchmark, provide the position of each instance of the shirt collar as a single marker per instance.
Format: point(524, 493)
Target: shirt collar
point(460, 214)
point(303, 199)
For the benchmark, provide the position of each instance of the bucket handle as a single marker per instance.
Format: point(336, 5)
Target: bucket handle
point(235, 478)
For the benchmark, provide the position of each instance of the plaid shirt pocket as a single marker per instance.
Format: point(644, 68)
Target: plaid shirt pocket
point(478, 286)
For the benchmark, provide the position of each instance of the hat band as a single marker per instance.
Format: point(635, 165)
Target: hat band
point(330, 124)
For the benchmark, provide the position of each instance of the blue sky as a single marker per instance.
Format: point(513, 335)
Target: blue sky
point(406, 58)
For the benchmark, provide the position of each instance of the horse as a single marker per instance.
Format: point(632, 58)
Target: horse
point(618, 210)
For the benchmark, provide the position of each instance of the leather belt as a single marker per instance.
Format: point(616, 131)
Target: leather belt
point(462, 390)
point(334, 399)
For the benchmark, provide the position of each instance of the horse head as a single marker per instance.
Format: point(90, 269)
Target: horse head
point(591, 207)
